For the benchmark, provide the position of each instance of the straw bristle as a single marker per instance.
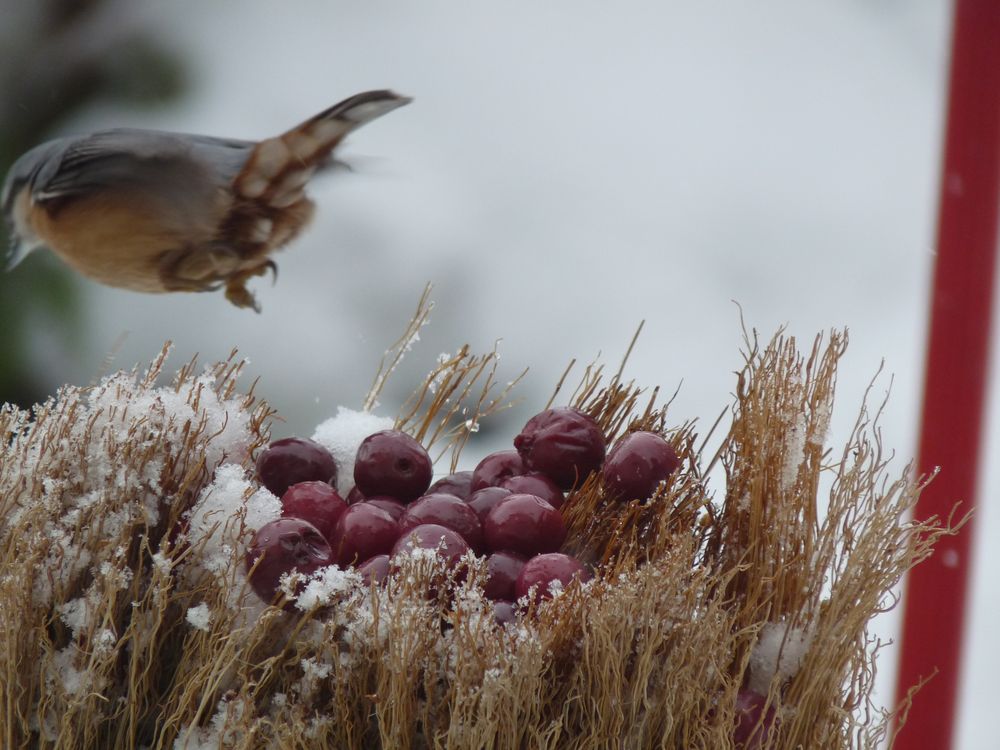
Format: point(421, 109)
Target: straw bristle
point(120, 627)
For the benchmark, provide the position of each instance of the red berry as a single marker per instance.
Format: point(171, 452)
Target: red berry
point(457, 484)
point(354, 495)
point(446, 510)
point(538, 484)
point(637, 464)
point(525, 524)
point(495, 468)
point(392, 463)
point(753, 725)
point(564, 443)
point(281, 546)
point(390, 505)
point(315, 502)
point(542, 570)
point(449, 544)
point(292, 460)
point(363, 531)
point(504, 613)
point(502, 570)
point(374, 569)
point(482, 501)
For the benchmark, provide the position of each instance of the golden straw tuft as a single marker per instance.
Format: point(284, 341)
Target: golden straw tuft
point(126, 622)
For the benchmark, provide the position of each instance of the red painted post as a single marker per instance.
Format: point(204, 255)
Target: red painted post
point(934, 604)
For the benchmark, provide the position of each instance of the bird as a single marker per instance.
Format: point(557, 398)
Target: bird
point(155, 211)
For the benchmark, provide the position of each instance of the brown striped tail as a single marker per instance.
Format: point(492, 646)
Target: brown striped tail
point(279, 168)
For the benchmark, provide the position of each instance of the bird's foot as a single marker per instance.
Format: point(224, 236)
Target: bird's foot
point(236, 290)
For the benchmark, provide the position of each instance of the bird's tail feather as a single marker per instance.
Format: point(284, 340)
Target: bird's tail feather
point(279, 168)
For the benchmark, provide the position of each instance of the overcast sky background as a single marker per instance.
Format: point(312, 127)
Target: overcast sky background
point(567, 170)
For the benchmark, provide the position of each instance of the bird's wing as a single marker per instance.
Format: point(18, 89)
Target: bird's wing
point(124, 158)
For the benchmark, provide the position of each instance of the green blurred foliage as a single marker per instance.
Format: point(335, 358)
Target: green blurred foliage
point(57, 57)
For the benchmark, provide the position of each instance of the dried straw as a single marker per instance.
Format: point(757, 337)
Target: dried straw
point(96, 650)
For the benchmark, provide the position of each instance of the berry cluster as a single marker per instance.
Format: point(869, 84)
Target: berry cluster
point(507, 509)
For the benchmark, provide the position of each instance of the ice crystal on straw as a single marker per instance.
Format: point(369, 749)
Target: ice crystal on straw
point(326, 585)
point(778, 653)
point(199, 616)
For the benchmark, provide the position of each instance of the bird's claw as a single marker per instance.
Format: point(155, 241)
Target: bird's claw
point(270, 265)
point(240, 296)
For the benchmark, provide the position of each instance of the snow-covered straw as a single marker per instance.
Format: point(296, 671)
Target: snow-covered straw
point(125, 618)
point(93, 484)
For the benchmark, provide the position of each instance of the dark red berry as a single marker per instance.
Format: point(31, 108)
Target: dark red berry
point(390, 505)
point(502, 570)
point(392, 463)
point(504, 613)
point(637, 464)
point(363, 531)
point(354, 495)
point(292, 460)
point(374, 569)
point(446, 510)
point(538, 484)
point(315, 502)
point(542, 570)
point(449, 544)
point(281, 546)
point(525, 524)
point(482, 501)
point(563, 443)
point(495, 468)
point(753, 724)
point(458, 484)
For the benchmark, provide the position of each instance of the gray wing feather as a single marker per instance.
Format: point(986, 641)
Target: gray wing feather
point(126, 158)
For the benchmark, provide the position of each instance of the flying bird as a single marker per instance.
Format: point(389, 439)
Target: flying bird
point(154, 211)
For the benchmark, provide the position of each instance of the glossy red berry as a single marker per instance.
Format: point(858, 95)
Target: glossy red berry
point(280, 547)
point(374, 569)
point(292, 460)
point(564, 443)
point(495, 468)
point(363, 531)
point(390, 505)
point(541, 571)
point(538, 484)
point(458, 484)
point(448, 543)
point(446, 510)
point(637, 464)
point(482, 501)
point(315, 502)
point(392, 463)
point(525, 524)
point(753, 723)
point(502, 570)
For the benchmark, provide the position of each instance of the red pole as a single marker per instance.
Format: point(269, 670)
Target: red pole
point(955, 380)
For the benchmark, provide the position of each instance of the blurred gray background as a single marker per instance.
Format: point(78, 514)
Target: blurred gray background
point(566, 171)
